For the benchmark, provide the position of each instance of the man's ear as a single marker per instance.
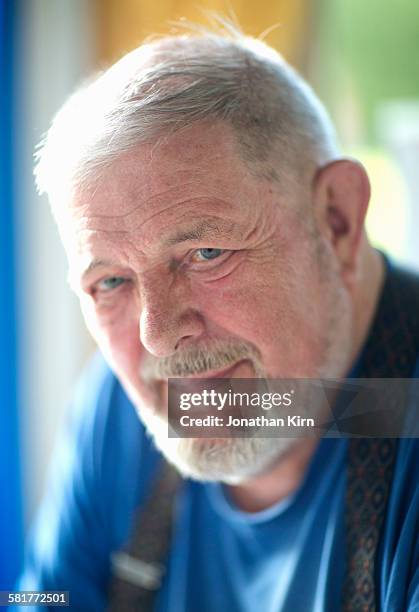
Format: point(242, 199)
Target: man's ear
point(341, 192)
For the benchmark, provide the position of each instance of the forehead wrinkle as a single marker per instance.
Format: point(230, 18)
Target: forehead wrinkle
point(112, 222)
point(126, 215)
point(210, 201)
point(137, 196)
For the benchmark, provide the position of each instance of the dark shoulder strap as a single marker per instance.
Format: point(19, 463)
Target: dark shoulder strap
point(138, 570)
point(391, 352)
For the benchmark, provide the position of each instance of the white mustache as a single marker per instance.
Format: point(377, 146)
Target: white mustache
point(199, 359)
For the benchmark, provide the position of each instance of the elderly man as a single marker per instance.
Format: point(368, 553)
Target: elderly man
point(212, 229)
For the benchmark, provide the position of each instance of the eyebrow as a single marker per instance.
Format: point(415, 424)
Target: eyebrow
point(96, 263)
point(202, 230)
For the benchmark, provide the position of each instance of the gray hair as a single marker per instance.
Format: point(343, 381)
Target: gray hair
point(170, 83)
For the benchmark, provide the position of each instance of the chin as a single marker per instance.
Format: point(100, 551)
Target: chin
point(228, 460)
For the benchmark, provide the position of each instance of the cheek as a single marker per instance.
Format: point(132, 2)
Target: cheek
point(117, 338)
point(275, 312)
point(246, 305)
point(122, 346)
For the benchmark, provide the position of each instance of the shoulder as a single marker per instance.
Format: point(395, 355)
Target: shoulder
point(100, 470)
point(104, 451)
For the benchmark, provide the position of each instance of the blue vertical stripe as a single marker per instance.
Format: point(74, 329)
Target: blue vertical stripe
point(10, 481)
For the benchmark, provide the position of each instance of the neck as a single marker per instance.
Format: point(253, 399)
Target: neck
point(286, 475)
point(280, 481)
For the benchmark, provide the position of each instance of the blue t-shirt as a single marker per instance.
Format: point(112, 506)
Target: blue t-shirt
point(289, 557)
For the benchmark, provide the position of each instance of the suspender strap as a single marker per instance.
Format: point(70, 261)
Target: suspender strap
point(138, 570)
point(370, 471)
point(391, 352)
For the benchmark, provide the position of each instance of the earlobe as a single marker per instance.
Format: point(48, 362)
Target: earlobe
point(341, 192)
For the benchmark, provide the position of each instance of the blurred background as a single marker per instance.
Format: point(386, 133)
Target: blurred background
point(361, 57)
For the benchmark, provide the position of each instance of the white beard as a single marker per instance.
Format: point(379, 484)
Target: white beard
point(229, 460)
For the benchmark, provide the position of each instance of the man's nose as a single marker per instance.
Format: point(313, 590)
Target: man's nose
point(168, 319)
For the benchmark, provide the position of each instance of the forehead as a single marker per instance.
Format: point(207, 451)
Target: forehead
point(206, 155)
point(148, 193)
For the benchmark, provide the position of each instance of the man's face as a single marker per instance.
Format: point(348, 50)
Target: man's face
point(186, 263)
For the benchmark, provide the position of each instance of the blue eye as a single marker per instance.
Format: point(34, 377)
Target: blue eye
point(208, 253)
point(113, 282)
